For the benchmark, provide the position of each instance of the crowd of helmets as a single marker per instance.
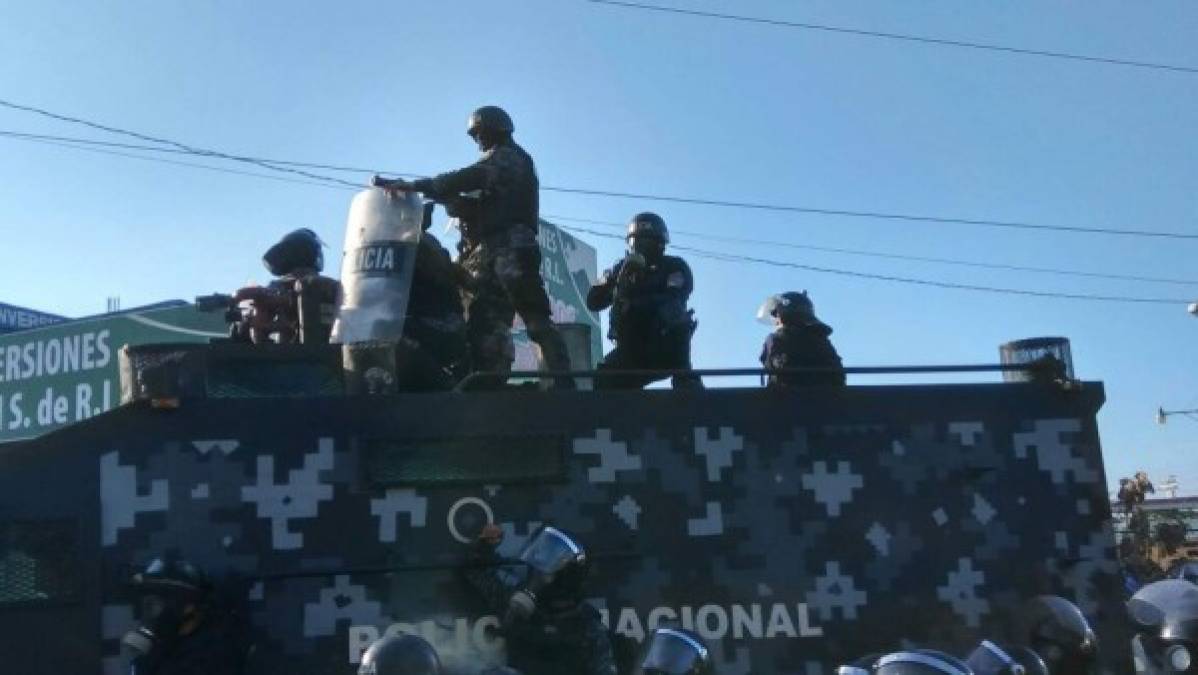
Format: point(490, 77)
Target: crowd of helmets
point(180, 622)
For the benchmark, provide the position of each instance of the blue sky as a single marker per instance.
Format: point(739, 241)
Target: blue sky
point(651, 103)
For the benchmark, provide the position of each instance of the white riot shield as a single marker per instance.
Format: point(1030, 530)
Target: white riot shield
point(381, 236)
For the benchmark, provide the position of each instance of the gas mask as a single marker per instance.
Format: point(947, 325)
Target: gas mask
point(556, 564)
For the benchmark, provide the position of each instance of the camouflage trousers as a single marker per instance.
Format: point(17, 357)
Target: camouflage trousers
point(505, 280)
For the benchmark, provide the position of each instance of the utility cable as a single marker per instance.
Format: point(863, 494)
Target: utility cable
point(898, 256)
point(705, 253)
point(161, 160)
point(165, 141)
point(727, 257)
point(80, 143)
point(778, 23)
point(282, 165)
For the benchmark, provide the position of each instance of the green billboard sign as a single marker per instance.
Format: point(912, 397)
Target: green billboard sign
point(569, 266)
point(64, 373)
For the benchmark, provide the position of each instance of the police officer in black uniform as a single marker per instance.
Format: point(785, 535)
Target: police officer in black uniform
point(400, 655)
point(434, 353)
point(548, 629)
point(799, 340)
point(499, 251)
point(675, 651)
point(182, 630)
point(650, 323)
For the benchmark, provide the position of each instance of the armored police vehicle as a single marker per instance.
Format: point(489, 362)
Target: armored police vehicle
point(792, 529)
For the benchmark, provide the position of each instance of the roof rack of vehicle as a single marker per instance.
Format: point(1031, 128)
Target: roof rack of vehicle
point(1046, 371)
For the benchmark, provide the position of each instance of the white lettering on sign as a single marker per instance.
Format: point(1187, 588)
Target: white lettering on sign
point(55, 356)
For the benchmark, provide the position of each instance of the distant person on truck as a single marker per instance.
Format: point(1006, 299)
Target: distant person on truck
point(548, 628)
point(183, 631)
point(298, 307)
point(799, 340)
point(499, 253)
point(650, 323)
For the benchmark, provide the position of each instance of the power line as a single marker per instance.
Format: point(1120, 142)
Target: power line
point(896, 36)
point(284, 166)
point(898, 256)
point(165, 141)
point(705, 253)
point(728, 257)
point(69, 142)
point(160, 160)
point(879, 215)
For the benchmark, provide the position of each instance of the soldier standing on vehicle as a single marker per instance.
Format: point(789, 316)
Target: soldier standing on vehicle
point(647, 291)
point(182, 631)
point(799, 340)
point(499, 250)
point(547, 627)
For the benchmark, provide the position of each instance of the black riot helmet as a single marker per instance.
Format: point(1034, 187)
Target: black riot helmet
point(991, 659)
point(675, 651)
point(648, 235)
point(298, 250)
point(400, 655)
point(790, 309)
point(168, 585)
point(1164, 616)
point(1058, 632)
point(489, 125)
point(920, 662)
point(557, 566)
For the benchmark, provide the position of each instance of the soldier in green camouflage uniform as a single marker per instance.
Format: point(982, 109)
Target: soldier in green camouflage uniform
point(548, 629)
point(500, 256)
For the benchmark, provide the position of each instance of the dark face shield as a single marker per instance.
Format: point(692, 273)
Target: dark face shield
point(990, 659)
point(550, 551)
point(651, 248)
point(672, 652)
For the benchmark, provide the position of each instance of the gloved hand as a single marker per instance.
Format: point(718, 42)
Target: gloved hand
point(634, 261)
point(391, 185)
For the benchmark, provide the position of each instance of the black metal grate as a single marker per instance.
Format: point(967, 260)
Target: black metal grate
point(493, 459)
point(39, 561)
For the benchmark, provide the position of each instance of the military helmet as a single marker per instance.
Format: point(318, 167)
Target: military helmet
point(921, 662)
point(400, 655)
point(171, 575)
point(492, 118)
point(1059, 632)
point(650, 225)
point(790, 308)
point(991, 659)
point(675, 651)
point(298, 249)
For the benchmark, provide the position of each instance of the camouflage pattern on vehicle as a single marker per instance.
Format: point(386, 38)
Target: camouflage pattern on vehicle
point(792, 530)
